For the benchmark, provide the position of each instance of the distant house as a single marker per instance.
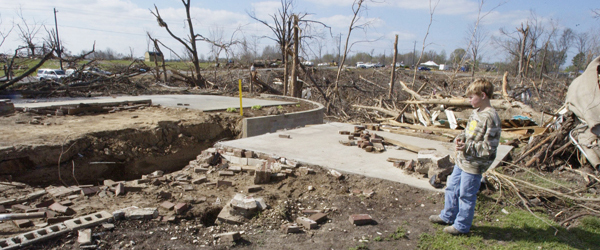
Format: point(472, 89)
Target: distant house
point(153, 56)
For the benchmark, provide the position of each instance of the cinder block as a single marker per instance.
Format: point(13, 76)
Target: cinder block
point(88, 220)
point(235, 169)
point(136, 213)
point(306, 223)
point(23, 223)
point(361, 219)
point(226, 173)
point(256, 162)
point(31, 237)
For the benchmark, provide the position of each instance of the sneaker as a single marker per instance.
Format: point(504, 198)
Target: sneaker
point(453, 231)
point(437, 220)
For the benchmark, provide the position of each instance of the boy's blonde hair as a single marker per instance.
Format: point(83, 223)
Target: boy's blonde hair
point(481, 85)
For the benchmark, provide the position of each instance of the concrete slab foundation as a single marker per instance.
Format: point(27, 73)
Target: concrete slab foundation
point(319, 145)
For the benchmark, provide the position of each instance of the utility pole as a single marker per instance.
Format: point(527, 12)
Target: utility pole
point(339, 49)
point(414, 53)
point(59, 49)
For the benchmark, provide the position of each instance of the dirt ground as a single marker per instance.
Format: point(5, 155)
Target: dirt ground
point(125, 145)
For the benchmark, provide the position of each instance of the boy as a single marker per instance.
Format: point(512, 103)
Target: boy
point(475, 152)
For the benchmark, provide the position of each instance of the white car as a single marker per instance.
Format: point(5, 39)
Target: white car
point(308, 63)
point(51, 74)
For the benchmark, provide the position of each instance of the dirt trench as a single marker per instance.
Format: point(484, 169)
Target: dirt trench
point(122, 154)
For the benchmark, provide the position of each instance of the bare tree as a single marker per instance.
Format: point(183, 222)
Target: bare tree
point(190, 43)
point(28, 32)
point(4, 33)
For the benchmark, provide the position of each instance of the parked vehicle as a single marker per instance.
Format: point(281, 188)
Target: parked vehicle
point(378, 65)
point(50, 74)
point(308, 63)
point(363, 65)
point(423, 68)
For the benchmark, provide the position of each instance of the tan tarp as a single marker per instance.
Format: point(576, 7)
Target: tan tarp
point(583, 98)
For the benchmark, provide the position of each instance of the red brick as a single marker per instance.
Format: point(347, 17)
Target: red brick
point(319, 217)
point(285, 136)
point(254, 188)
point(181, 207)
point(306, 223)
point(23, 223)
point(226, 173)
point(57, 207)
point(311, 211)
point(361, 219)
point(223, 183)
point(290, 228)
point(45, 203)
point(167, 205)
point(19, 208)
point(2, 209)
point(342, 132)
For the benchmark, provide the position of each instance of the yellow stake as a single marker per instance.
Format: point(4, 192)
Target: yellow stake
point(241, 107)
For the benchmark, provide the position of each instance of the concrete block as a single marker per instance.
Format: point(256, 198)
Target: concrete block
point(244, 205)
point(228, 216)
point(120, 189)
point(167, 205)
point(229, 237)
point(84, 237)
point(360, 219)
point(38, 235)
point(254, 188)
point(238, 152)
point(306, 223)
point(260, 203)
point(181, 207)
point(306, 171)
point(89, 220)
point(319, 217)
point(87, 191)
point(108, 226)
point(57, 207)
point(290, 228)
point(18, 208)
point(249, 154)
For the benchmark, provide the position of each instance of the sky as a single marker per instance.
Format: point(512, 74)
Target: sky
point(121, 25)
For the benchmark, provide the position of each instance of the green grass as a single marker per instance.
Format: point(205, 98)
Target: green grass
point(517, 230)
point(232, 110)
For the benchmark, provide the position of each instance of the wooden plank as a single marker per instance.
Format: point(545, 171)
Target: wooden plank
point(434, 129)
point(401, 131)
point(408, 147)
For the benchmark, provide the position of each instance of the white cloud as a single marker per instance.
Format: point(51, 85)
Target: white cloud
point(447, 7)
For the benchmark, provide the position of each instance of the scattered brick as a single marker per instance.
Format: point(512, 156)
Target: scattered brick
point(200, 180)
point(85, 237)
point(254, 188)
point(360, 219)
point(23, 223)
point(350, 137)
point(311, 211)
point(46, 203)
point(278, 176)
point(108, 226)
point(235, 169)
point(262, 175)
point(2, 209)
point(336, 174)
point(290, 228)
point(285, 136)
point(66, 203)
point(188, 188)
point(343, 132)
point(376, 140)
point(109, 183)
point(260, 203)
point(87, 191)
point(359, 128)
point(229, 237)
point(347, 143)
point(226, 173)
point(120, 189)
point(369, 148)
point(167, 205)
point(200, 169)
point(238, 152)
point(319, 217)
point(58, 219)
point(306, 223)
point(19, 208)
point(306, 171)
point(249, 154)
point(57, 207)
point(181, 207)
point(224, 183)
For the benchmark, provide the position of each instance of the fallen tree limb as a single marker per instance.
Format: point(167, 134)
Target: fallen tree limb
point(498, 104)
point(545, 189)
point(28, 72)
point(411, 92)
point(362, 78)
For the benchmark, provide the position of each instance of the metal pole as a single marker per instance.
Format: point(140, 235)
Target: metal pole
point(5, 217)
point(59, 49)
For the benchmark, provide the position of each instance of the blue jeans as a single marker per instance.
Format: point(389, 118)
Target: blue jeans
point(461, 195)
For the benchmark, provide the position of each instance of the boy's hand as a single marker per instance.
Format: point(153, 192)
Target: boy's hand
point(459, 145)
